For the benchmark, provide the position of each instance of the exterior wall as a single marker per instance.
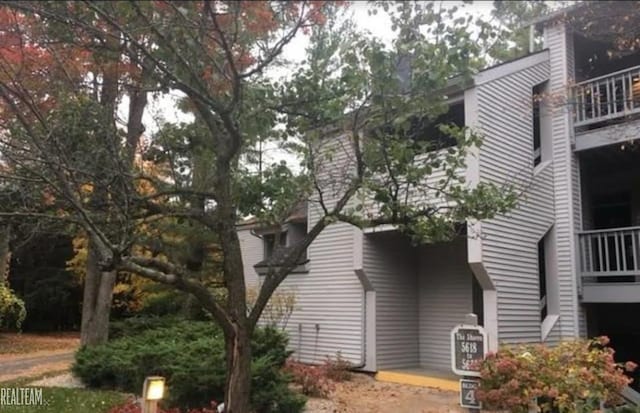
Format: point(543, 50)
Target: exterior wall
point(390, 265)
point(509, 243)
point(444, 285)
point(330, 298)
point(421, 196)
point(329, 312)
point(566, 178)
point(252, 251)
point(328, 316)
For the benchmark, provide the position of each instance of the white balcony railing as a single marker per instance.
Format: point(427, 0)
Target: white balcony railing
point(607, 97)
point(609, 253)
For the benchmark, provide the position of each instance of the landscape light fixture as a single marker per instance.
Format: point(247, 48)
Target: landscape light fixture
point(152, 393)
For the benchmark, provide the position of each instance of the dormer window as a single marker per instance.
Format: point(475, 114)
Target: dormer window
point(278, 241)
point(269, 243)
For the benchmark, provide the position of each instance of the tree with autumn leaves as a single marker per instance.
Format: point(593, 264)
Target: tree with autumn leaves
point(352, 113)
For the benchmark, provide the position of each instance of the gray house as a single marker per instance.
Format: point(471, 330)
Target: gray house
point(565, 263)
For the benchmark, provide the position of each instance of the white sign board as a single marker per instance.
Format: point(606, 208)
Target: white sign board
point(468, 347)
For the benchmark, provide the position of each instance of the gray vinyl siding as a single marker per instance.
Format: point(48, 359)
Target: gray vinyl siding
point(329, 296)
point(565, 177)
point(444, 285)
point(252, 251)
point(509, 242)
point(423, 196)
point(329, 314)
point(571, 294)
point(390, 264)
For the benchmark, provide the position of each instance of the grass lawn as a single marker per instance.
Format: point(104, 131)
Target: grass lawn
point(63, 400)
point(59, 400)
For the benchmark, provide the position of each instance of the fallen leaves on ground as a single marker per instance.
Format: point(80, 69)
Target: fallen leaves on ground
point(365, 394)
point(13, 344)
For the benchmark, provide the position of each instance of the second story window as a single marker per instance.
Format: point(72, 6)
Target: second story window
point(429, 131)
point(426, 132)
point(271, 244)
point(277, 245)
point(540, 123)
point(537, 147)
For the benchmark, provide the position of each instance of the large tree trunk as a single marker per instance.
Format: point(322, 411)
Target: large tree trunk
point(98, 288)
point(238, 389)
point(96, 302)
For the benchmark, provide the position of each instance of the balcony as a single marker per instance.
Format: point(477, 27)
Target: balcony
point(605, 98)
point(610, 265)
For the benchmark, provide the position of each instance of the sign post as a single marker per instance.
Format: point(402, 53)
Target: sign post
point(468, 348)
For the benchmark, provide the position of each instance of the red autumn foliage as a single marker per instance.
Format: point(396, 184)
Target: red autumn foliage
point(133, 406)
point(569, 377)
point(318, 380)
point(311, 378)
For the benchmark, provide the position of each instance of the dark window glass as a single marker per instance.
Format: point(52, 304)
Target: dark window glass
point(537, 145)
point(542, 278)
point(269, 243)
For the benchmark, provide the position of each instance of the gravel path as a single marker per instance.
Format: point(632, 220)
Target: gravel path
point(63, 380)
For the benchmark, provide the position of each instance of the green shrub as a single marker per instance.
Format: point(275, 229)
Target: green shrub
point(163, 302)
point(135, 325)
point(190, 355)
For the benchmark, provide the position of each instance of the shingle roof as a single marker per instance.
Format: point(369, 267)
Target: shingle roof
point(277, 258)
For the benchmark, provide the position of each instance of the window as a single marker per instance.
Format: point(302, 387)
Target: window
point(477, 298)
point(270, 243)
point(542, 279)
point(549, 308)
point(273, 241)
point(425, 131)
point(537, 94)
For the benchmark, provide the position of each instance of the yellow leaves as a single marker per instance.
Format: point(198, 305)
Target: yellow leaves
point(86, 189)
point(77, 264)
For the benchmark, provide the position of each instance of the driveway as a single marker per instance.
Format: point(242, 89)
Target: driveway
point(27, 365)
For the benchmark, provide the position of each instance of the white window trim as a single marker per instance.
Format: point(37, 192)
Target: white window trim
point(552, 296)
point(540, 167)
point(548, 324)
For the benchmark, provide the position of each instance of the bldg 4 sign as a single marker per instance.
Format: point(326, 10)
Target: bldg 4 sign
point(468, 389)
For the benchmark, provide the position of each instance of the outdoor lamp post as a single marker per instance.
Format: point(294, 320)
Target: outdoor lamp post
point(152, 393)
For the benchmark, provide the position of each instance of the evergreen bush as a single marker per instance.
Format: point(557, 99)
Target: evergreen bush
point(190, 355)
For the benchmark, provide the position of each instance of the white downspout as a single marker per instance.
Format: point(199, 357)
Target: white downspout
point(368, 355)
